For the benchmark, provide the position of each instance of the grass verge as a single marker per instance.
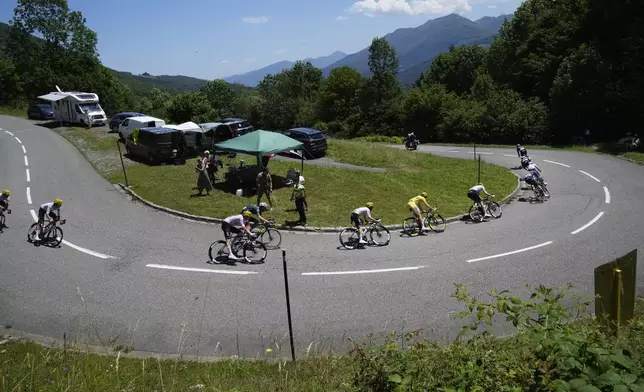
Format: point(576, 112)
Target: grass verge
point(12, 111)
point(332, 193)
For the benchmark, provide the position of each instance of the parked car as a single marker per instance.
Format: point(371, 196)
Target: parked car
point(314, 140)
point(155, 144)
point(119, 117)
point(130, 123)
point(238, 125)
point(217, 132)
point(40, 111)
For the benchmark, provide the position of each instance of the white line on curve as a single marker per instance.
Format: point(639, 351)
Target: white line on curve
point(28, 176)
point(28, 195)
point(556, 163)
point(607, 193)
point(33, 215)
point(26, 161)
point(214, 271)
point(18, 140)
point(510, 156)
point(590, 175)
point(453, 151)
point(23, 149)
point(587, 225)
point(9, 133)
point(482, 153)
point(510, 253)
point(375, 271)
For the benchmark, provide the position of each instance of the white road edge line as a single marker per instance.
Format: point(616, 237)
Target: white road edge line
point(510, 156)
point(375, 271)
point(482, 153)
point(78, 248)
point(453, 151)
point(9, 133)
point(587, 225)
point(607, 193)
point(24, 150)
point(590, 175)
point(28, 195)
point(510, 253)
point(28, 175)
point(213, 271)
point(26, 161)
point(556, 163)
point(18, 140)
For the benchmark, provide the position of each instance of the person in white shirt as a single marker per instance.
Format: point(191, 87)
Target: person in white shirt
point(359, 215)
point(474, 193)
point(533, 169)
point(234, 225)
point(51, 209)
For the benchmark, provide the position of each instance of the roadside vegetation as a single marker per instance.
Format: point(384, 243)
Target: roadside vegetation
point(553, 348)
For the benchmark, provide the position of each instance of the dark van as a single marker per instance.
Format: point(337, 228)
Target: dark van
point(154, 144)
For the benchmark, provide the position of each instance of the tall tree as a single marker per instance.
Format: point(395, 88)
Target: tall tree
point(455, 69)
point(220, 95)
point(338, 96)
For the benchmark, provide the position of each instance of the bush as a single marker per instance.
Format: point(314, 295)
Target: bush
point(380, 139)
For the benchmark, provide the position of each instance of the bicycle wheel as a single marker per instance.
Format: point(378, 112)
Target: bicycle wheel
point(380, 235)
point(410, 226)
point(475, 213)
point(31, 232)
point(436, 223)
point(254, 251)
point(494, 209)
point(349, 238)
point(2, 226)
point(54, 236)
point(218, 253)
point(271, 238)
point(545, 192)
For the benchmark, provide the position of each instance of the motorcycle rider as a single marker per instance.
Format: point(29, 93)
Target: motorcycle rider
point(410, 139)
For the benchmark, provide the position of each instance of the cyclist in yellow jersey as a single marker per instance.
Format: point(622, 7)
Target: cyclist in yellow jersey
point(414, 206)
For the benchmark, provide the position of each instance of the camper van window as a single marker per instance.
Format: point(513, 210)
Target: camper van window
point(86, 96)
point(151, 124)
point(91, 107)
point(78, 109)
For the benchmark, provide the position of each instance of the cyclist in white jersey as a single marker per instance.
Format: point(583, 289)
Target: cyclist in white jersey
point(234, 225)
point(359, 215)
point(474, 194)
point(52, 210)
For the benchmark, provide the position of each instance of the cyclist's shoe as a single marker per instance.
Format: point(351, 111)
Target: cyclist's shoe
point(36, 237)
point(362, 241)
point(233, 257)
point(487, 216)
point(425, 228)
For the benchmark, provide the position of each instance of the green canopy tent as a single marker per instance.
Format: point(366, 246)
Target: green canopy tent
point(261, 143)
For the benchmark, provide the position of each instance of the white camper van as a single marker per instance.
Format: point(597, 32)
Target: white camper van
point(131, 123)
point(76, 107)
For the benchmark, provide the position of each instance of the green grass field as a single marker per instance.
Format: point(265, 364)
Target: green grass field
point(332, 193)
point(15, 112)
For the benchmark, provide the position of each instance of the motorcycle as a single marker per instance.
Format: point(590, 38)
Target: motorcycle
point(411, 144)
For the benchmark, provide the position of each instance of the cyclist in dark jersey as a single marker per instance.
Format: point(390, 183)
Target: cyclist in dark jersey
point(257, 210)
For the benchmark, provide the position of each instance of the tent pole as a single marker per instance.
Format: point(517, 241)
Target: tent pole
point(302, 160)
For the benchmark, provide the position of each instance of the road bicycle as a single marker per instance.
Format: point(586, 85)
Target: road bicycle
point(50, 235)
point(493, 208)
point(267, 235)
point(540, 192)
point(430, 219)
point(243, 245)
point(378, 235)
point(2, 220)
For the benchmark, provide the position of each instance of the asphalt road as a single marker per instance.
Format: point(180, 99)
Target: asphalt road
point(111, 283)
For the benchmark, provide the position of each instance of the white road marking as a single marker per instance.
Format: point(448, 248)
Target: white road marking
point(213, 271)
point(28, 195)
point(26, 161)
point(453, 151)
point(89, 252)
point(28, 176)
point(556, 163)
point(607, 193)
point(590, 175)
point(510, 253)
point(482, 153)
point(9, 133)
point(587, 225)
point(33, 215)
point(510, 156)
point(18, 140)
point(23, 149)
point(375, 271)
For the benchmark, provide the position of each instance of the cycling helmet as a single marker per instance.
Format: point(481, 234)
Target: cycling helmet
point(247, 214)
point(424, 194)
point(263, 206)
point(480, 183)
point(6, 192)
point(370, 205)
point(518, 145)
point(58, 202)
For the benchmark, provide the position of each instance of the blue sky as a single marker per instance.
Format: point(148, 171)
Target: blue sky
point(215, 38)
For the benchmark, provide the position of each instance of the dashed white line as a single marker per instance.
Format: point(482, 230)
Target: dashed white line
point(28, 176)
point(28, 195)
point(607, 194)
point(374, 271)
point(556, 163)
point(26, 161)
point(587, 225)
point(18, 140)
point(590, 175)
point(9, 133)
point(510, 253)
point(510, 156)
point(212, 271)
point(23, 149)
point(482, 153)
point(453, 151)
point(33, 215)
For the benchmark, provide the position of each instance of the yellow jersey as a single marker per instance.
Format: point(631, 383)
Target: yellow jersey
point(418, 200)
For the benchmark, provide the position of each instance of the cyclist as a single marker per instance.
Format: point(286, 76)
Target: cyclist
point(532, 181)
point(257, 210)
point(533, 169)
point(4, 200)
point(414, 205)
point(233, 225)
point(474, 193)
point(359, 215)
point(521, 151)
point(51, 209)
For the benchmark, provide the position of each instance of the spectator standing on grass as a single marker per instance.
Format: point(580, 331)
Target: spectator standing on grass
point(636, 141)
point(264, 184)
point(299, 195)
point(306, 205)
point(203, 182)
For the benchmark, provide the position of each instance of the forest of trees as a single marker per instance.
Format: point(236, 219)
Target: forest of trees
point(557, 68)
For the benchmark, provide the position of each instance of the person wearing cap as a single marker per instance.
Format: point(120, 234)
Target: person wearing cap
point(414, 205)
point(51, 209)
point(4, 200)
point(264, 183)
point(203, 182)
point(474, 194)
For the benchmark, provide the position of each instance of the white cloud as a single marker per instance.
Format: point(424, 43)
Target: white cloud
point(224, 61)
point(341, 17)
point(410, 7)
point(255, 19)
point(491, 6)
point(280, 51)
point(250, 59)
